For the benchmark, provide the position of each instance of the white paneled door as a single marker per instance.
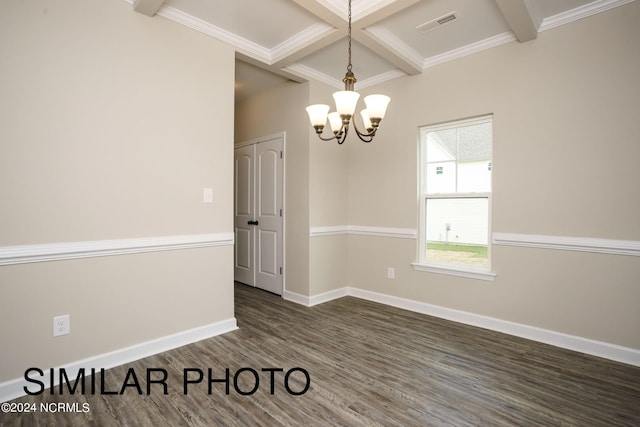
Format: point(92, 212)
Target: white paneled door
point(258, 214)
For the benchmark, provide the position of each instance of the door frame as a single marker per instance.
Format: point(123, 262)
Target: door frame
point(266, 138)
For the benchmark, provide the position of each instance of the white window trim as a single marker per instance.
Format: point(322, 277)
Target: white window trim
point(454, 270)
point(459, 270)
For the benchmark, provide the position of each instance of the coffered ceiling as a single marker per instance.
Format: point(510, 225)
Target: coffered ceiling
point(306, 39)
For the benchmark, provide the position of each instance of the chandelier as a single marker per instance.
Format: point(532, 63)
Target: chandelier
point(346, 100)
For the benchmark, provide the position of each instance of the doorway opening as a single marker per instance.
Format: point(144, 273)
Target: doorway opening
point(259, 213)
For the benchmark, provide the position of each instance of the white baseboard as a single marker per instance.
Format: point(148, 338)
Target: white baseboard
point(297, 298)
point(605, 350)
point(316, 299)
point(13, 389)
point(609, 351)
point(327, 296)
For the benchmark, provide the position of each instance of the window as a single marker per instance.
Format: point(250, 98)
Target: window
point(455, 198)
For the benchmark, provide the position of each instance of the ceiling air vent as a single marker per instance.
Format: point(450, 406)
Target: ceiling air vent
point(436, 23)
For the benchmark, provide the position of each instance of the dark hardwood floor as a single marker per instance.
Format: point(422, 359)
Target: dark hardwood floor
point(368, 364)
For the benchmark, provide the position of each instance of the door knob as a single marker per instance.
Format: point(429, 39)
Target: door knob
point(252, 222)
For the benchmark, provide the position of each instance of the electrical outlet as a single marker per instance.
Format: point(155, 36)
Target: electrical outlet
point(391, 273)
point(61, 325)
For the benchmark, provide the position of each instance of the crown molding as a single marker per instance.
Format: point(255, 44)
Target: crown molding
point(569, 16)
point(313, 74)
point(470, 49)
point(247, 47)
point(320, 30)
point(361, 9)
point(380, 78)
point(299, 41)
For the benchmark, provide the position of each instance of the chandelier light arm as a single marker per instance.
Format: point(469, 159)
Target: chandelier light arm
point(319, 133)
point(339, 136)
point(364, 137)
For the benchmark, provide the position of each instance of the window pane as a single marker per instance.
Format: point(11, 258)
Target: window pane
point(441, 145)
point(441, 177)
point(474, 157)
point(456, 180)
point(457, 230)
point(474, 142)
point(469, 147)
point(474, 177)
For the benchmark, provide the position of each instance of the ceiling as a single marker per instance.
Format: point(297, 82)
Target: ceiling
point(278, 40)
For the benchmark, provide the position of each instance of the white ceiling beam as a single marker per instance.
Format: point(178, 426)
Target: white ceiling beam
point(522, 17)
point(381, 10)
point(323, 10)
point(147, 7)
point(372, 12)
point(396, 54)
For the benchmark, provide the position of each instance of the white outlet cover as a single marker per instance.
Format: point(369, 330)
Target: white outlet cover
point(61, 325)
point(391, 273)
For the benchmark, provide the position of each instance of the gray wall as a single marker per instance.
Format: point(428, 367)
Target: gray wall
point(111, 124)
point(564, 105)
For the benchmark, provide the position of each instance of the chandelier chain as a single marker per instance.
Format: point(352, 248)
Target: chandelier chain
point(349, 38)
point(346, 100)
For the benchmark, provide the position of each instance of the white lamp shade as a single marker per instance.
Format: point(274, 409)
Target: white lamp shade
point(346, 101)
point(365, 119)
point(318, 114)
point(335, 121)
point(377, 105)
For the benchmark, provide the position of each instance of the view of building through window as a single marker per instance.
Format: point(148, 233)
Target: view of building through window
point(456, 189)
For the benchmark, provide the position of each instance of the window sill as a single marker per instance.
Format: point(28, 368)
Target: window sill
point(470, 273)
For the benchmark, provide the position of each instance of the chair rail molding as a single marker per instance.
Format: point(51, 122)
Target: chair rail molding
point(71, 250)
point(361, 230)
point(581, 244)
